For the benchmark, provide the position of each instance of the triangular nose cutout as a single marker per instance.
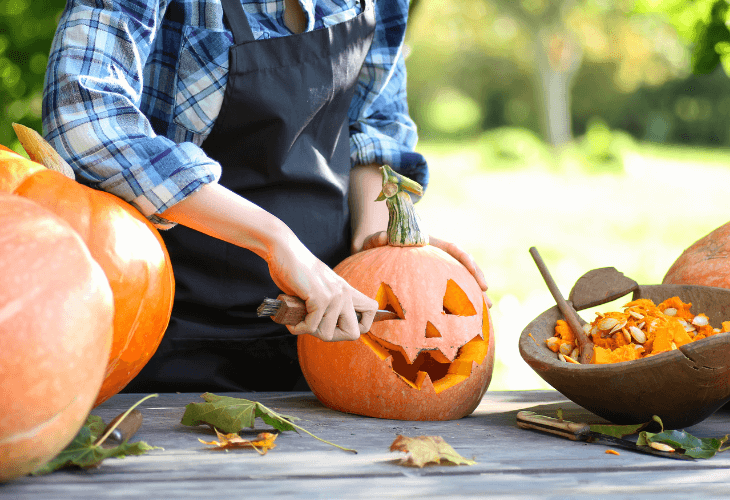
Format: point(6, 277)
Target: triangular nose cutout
point(431, 331)
point(387, 300)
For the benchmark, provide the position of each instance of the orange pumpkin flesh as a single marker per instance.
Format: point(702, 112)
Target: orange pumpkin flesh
point(706, 262)
point(56, 312)
point(433, 363)
point(129, 250)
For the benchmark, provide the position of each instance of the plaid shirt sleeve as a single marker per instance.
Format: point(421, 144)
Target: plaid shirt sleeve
point(381, 130)
point(91, 110)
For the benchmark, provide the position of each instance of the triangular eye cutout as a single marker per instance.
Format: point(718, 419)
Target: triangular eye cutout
point(456, 301)
point(387, 300)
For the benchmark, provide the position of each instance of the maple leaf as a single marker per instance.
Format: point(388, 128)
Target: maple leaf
point(231, 415)
point(263, 442)
point(424, 450)
point(86, 449)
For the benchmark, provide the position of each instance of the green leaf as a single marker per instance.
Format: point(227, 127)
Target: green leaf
point(84, 452)
point(96, 425)
point(618, 431)
point(693, 446)
point(229, 415)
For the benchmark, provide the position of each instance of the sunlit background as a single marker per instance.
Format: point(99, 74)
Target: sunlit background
point(597, 131)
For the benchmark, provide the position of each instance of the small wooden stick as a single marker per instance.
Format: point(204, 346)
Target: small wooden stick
point(571, 317)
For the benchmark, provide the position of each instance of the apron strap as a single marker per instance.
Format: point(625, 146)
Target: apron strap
point(241, 29)
point(233, 12)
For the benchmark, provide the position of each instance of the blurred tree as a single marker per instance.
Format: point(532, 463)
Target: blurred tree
point(702, 23)
point(529, 63)
point(26, 32)
point(558, 55)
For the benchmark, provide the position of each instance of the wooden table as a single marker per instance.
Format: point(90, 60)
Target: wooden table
point(512, 462)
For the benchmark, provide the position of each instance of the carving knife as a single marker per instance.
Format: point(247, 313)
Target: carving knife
point(126, 428)
point(582, 432)
point(290, 310)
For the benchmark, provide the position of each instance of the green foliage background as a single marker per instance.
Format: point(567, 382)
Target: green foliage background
point(26, 31)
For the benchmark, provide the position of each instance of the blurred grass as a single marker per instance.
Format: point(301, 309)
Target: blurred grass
point(635, 207)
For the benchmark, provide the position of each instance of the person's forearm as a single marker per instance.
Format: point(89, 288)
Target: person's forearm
point(219, 212)
point(367, 215)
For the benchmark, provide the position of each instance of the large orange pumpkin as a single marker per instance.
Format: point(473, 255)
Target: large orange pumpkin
point(127, 247)
point(433, 363)
point(56, 313)
point(706, 262)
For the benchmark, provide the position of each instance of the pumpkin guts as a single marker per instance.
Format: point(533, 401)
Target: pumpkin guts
point(643, 329)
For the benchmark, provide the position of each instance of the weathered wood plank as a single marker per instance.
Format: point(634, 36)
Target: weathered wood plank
point(512, 462)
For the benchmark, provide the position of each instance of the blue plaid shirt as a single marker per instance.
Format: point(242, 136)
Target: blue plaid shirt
point(134, 87)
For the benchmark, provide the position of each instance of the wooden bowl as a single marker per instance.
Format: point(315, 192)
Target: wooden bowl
point(682, 386)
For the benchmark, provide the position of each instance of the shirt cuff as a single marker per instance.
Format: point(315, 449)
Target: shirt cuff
point(157, 193)
point(366, 149)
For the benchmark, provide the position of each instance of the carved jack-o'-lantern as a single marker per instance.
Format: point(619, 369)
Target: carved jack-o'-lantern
point(432, 363)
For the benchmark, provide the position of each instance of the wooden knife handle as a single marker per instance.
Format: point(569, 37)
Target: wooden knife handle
point(293, 310)
point(570, 430)
point(127, 427)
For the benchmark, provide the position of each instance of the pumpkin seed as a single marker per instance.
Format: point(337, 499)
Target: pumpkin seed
point(575, 353)
point(636, 315)
point(587, 328)
point(670, 311)
point(561, 357)
point(627, 335)
point(638, 335)
point(661, 446)
point(716, 330)
point(566, 348)
point(608, 323)
point(618, 327)
point(642, 324)
point(700, 320)
point(553, 344)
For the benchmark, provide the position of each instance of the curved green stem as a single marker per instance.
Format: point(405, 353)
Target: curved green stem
point(405, 228)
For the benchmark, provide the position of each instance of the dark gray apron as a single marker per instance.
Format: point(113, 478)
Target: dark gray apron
point(283, 142)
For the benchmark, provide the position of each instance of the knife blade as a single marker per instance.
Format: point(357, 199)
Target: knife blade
point(576, 431)
point(290, 310)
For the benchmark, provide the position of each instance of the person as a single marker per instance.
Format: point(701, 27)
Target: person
point(256, 128)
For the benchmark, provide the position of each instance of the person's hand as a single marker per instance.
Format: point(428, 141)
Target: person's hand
point(380, 239)
point(331, 301)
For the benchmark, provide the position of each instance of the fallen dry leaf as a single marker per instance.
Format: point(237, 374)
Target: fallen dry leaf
point(263, 442)
point(424, 450)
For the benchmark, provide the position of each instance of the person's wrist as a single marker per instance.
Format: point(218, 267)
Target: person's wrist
point(279, 238)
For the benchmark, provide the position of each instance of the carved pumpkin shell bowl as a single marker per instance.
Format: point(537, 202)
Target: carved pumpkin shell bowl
point(682, 386)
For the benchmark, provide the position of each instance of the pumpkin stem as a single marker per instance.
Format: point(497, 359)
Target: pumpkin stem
point(404, 225)
point(40, 151)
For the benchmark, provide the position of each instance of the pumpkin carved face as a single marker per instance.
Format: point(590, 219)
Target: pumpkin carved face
point(433, 363)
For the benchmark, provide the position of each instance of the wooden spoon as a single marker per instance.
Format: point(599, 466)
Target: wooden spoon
point(571, 317)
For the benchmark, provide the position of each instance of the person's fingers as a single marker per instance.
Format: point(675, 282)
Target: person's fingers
point(464, 258)
point(375, 240)
point(316, 309)
point(366, 307)
point(347, 327)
